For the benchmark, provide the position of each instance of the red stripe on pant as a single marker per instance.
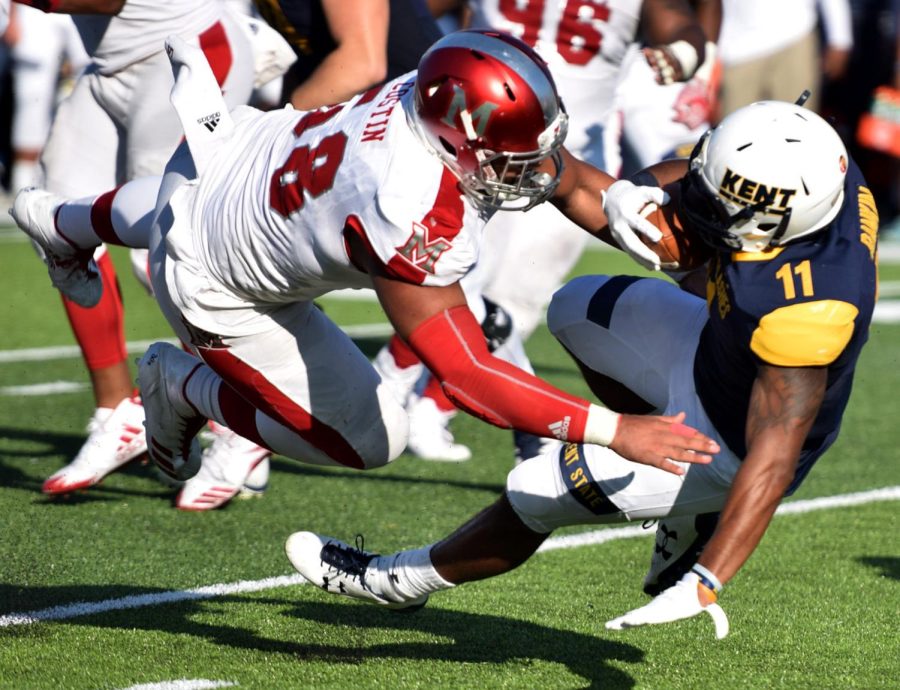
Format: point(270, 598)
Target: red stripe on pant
point(101, 218)
point(214, 44)
point(246, 390)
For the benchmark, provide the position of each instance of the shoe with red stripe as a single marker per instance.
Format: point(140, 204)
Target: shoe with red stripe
point(232, 466)
point(171, 422)
point(115, 438)
point(72, 269)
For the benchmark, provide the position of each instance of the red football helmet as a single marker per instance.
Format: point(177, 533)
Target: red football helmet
point(485, 103)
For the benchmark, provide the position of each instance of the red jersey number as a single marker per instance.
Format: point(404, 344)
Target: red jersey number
point(309, 170)
point(577, 39)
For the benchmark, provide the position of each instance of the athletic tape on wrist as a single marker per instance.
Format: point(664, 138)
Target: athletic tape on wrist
point(707, 578)
point(601, 425)
point(705, 70)
point(687, 57)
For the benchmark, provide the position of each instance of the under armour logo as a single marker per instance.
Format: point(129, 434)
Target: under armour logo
point(660, 546)
point(210, 121)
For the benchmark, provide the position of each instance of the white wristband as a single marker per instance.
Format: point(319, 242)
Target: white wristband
point(687, 57)
point(601, 425)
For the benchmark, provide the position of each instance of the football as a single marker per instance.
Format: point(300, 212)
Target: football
point(678, 245)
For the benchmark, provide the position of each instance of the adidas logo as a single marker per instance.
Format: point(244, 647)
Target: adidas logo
point(560, 429)
point(210, 121)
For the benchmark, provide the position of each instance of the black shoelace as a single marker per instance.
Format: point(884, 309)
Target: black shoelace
point(347, 560)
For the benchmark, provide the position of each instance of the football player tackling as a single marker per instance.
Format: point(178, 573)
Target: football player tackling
point(764, 365)
point(260, 213)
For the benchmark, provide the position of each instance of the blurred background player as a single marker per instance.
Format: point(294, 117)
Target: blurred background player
point(47, 57)
point(527, 257)
point(660, 121)
point(117, 124)
point(865, 105)
point(771, 49)
point(345, 46)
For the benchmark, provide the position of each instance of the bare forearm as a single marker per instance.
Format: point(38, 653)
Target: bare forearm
point(338, 78)
point(784, 403)
point(745, 518)
point(579, 196)
point(359, 29)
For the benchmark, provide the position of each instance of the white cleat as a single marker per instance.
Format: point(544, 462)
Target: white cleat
point(429, 433)
point(72, 269)
point(339, 568)
point(231, 466)
point(401, 382)
point(171, 422)
point(116, 437)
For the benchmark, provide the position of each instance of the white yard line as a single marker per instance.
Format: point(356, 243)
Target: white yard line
point(38, 389)
point(184, 684)
point(40, 354)
point(88, 608)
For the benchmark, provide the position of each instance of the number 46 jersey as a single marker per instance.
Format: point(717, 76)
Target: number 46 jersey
point(806, 304)
point(271, 212)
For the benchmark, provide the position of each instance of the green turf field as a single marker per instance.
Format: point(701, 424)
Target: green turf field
point(113, 588)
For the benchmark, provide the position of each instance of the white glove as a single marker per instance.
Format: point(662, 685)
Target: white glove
point(682, 600)
point(623, 203)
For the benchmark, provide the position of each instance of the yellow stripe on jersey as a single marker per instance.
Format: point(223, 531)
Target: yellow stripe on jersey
point(764, 255)
point(803, 335)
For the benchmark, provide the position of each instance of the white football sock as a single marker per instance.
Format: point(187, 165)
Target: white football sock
point(129, 214)
point(202, 391)
point(405, 575)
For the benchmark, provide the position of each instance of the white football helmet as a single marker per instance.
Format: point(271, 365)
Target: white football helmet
point(767, 174)
point(487, 106)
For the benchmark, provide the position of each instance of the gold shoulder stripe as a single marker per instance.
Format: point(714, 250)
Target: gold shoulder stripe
point(806, 334)
point(769, 253)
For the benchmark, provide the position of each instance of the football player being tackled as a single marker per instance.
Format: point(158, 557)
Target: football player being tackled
point(260, 213)
point(764, 365)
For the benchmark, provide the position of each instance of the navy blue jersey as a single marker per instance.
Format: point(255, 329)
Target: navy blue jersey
point(808, 303)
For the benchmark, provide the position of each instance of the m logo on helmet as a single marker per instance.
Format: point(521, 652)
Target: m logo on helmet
point(475, 122)
point(744, 191)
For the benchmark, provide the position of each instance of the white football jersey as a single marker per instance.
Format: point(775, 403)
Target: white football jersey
point(141, 28)
point(271, 211)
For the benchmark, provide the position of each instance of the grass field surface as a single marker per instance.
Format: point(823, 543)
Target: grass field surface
point(113, 588)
